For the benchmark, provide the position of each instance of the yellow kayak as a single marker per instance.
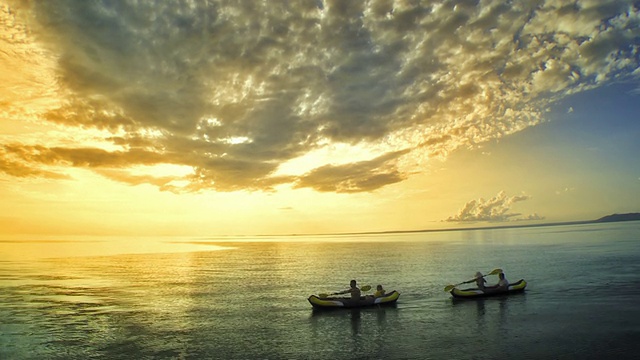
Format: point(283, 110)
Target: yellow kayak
point(513, 288)
point(347, 303)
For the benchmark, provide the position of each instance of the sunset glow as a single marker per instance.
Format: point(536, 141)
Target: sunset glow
point(214, 118)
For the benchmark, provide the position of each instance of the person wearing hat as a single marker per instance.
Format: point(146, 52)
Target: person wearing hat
point(480, 281)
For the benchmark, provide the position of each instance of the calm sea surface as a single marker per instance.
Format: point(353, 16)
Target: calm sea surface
point(220, 299)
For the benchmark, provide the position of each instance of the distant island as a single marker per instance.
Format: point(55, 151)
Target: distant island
point(619, 217)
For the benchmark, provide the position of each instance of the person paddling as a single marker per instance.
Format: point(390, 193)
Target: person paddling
point(353, 290)
point(480, 281)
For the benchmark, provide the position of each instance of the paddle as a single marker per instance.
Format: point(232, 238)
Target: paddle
point(493, 272)
point(364, 288)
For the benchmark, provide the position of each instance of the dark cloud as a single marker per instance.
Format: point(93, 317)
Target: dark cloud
point(21, 170)
point(354, 177)
point(496, 209)
point(89, 113)
point(83, 157)
point(236, 89)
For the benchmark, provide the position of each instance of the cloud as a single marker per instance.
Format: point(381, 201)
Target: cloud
point(565, 190)
point(20, 170)
point(83, 157)
point(235, 90)
point(496, 209)
point(354, 177)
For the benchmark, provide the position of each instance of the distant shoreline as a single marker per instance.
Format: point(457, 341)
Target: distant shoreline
point(604, 219)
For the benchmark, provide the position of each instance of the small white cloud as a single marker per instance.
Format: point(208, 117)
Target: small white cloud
point(565, 190)
point(495, 209)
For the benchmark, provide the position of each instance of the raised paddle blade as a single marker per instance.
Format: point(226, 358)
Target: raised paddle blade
point(365, 288)
point(449, 288)
point(495, 272)
point(323, 296)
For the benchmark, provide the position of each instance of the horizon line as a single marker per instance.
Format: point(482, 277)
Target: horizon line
point(495, 227)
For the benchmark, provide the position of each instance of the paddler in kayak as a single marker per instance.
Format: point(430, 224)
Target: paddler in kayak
point(480, 281)
point(353, 290)
point(503, 283)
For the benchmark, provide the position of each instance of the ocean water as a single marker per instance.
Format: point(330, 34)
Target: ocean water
point(247, 299)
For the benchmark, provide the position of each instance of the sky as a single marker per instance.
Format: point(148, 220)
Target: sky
point(201, 118)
